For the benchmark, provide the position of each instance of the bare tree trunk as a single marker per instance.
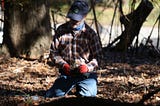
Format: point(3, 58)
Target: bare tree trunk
point(27, 28)
point(132, 23)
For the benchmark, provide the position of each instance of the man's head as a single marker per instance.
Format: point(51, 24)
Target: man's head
point(79, 9)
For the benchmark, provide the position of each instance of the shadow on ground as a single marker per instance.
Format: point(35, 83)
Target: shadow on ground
point(89, 101)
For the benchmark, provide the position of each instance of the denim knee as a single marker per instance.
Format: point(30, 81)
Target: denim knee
point(87, 87)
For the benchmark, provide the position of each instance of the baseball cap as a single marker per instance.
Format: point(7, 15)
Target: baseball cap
point(78, 10)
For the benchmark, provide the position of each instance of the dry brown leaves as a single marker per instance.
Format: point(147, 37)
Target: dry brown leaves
point(21, 80)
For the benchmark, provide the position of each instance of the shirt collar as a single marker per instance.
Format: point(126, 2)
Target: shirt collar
point(83, 29)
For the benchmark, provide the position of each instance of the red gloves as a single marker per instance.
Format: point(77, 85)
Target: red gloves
point(83, 69)
point(66, 68)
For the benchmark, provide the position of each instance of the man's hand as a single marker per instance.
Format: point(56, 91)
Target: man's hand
point(83, 69)
point(66, 69)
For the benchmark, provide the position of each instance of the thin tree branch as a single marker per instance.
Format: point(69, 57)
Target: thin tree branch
point(95, 18)
point(151, 31)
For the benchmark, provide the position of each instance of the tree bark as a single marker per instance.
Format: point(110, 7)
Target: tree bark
point(27, 28)
point(132, 23)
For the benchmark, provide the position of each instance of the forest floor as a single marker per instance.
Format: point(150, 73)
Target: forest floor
point(123, 80)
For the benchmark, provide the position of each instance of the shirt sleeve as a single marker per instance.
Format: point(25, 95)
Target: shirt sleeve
point(96, 53)
point(54, 53)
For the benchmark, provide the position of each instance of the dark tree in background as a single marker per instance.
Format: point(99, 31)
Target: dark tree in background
point(27, 28)
point(132, 24)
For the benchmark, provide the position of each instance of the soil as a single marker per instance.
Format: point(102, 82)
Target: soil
point(122, 80)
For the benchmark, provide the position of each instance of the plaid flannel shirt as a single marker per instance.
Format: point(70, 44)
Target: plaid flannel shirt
point(76, 48)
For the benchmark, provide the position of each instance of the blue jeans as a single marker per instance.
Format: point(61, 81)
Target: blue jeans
point(84, 86)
